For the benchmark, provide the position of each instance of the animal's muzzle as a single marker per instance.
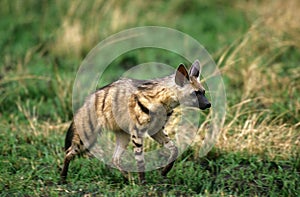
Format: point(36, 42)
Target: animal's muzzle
point(205, 106)
point(203, 103)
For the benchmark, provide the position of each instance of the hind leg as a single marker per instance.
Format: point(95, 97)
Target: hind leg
point(71, 152)
point(122, 140)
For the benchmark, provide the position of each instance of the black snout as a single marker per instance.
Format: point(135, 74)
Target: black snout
point(203, 102)
point(205, 106)
point(208, 105)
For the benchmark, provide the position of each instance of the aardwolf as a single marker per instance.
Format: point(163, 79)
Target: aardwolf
point(131, 108)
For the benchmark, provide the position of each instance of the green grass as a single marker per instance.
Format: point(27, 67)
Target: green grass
point(30, 165)
point(255, 44)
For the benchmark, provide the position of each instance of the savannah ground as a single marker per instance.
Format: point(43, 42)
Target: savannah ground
point(255, 44)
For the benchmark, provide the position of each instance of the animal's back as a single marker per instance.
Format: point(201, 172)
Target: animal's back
point(107, 108)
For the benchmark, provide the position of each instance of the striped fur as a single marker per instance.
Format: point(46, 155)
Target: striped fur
point(131, 108)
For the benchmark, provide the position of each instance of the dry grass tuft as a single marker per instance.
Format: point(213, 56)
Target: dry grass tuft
point(86, 24)
point(253, 66)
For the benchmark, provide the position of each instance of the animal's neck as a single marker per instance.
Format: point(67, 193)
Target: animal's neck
point(159, 92)
point(167, 97)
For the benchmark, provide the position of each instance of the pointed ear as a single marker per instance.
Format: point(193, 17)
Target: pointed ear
point(195, 69)
point(181, 75)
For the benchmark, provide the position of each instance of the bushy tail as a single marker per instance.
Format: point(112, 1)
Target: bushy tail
point(69, 136)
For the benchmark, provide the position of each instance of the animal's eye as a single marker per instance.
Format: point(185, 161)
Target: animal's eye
point(200, 92)
point(197, 92)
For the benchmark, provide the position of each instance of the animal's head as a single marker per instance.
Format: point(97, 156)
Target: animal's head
point(190, 92)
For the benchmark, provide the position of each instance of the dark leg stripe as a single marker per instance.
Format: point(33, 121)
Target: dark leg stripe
point(137, 144)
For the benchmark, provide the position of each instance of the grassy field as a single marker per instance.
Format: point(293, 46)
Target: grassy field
point(255, 44)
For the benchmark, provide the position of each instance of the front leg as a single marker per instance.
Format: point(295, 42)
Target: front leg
point(122, 140)
point(137, 140)
point(164, 140)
